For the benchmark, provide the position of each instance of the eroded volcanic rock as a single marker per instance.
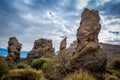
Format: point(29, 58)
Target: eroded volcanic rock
point(89, 55)
point(14, 48)
point(63, 44)
point(42, 48)
point(111, 50)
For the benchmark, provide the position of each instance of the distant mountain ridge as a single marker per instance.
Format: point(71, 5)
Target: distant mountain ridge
point(111, 50)
point(4, 52)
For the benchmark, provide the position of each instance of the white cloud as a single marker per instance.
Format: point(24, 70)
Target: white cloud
point(109, 24)
point(80, 4)
point(101, 2)
point(64, 3)
point(49, 25)
point(3, 42)
point(29, 2)
point(54, 23)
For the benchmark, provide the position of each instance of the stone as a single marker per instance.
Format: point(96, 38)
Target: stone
point(14, 48)
point(89, 28)
point(72, 49)
point(63, 44)
point(42, 48)
point(110, 50)
point(89, 55)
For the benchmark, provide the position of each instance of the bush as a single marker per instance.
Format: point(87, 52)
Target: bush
point(3, 67)
point(79, 76)
point(12, 66)
point(21, 66)
point(26, 74)
point(55, 70)
point(114, 64)
point(113, 68)
point(38, 63)
point(62, 58)
point(50, 72)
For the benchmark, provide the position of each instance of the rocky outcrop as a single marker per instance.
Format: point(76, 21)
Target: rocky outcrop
point(72, 49)
point(89, 55)
point(109, 49)
point(42, 48)
point(63, 44)
point(14, 48)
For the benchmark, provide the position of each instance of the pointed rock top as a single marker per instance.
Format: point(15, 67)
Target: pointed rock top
point(63, 44)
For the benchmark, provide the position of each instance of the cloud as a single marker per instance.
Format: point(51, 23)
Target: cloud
point(111, 8)
point(102, 2)
point(80, 4)
point(29, 20)
point(110, 29)
point(28, 2)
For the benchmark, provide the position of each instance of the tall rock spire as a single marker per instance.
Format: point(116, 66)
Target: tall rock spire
point(88, 54)
point(63, 44)
point(14, 48)
point(89, 28)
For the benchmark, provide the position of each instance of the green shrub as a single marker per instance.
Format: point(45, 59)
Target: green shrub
point(12, 66)
point(38, 63)
point(62, 58)
point(21, 66)
point(50, 71)
point(26, 74)
point(79, 76)
point(55, 70)
point(3, 67)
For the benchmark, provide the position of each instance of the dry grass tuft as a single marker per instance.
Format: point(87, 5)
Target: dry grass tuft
point(80, 76)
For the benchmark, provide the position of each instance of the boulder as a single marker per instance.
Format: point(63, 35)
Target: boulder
point(42, 48)
point(14, 48)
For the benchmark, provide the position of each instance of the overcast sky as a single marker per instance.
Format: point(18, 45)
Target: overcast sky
point(29, 20)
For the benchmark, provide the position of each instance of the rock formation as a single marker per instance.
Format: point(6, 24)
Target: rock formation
point(63, 44)
point(42, 48)
point(109, 49)
point(14, 48)
point(72, 49)
point(89, 55)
